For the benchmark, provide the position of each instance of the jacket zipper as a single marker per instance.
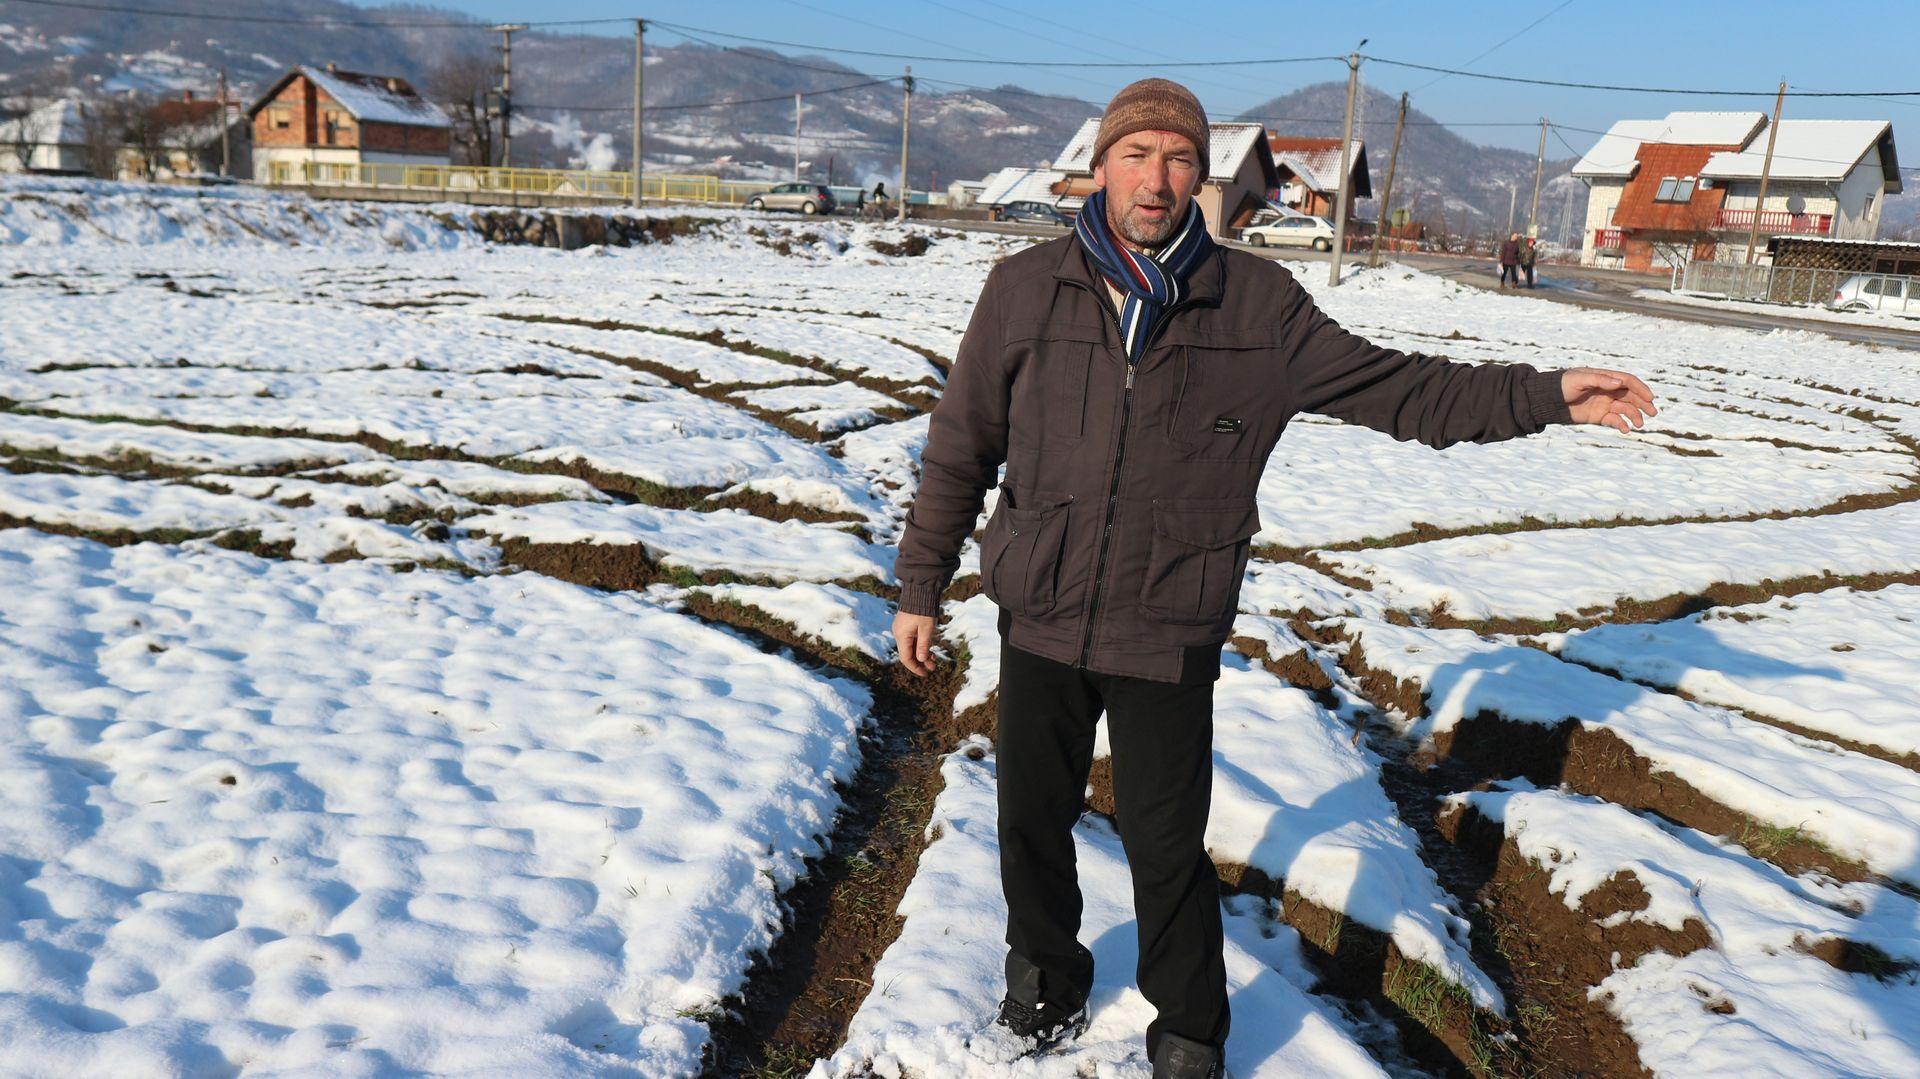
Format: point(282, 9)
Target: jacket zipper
point(1119, 456)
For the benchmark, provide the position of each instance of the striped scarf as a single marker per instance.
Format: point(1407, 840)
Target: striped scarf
point(1151, 283)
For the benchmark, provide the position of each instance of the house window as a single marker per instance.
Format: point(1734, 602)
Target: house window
point(1675, 189)
point(281, 116)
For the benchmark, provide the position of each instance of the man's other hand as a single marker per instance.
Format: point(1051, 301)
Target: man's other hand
point(913, 635)
point(1597, 395)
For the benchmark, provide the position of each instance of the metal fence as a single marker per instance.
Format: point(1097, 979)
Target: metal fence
point(575, 183)
point(1850, 290)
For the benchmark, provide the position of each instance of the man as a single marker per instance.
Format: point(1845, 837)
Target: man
point(1510, 260)
point(1134, 377)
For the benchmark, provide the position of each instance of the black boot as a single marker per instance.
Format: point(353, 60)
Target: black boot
point(1184, 1058)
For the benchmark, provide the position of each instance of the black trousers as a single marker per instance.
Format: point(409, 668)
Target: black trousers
point(1161, 735)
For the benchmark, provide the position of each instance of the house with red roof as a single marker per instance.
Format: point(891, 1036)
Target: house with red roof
point(313, 119)
point(1662, 193)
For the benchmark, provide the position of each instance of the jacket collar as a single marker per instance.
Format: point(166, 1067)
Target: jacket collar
point(1205, 284)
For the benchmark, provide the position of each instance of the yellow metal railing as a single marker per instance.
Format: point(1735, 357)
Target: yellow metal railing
point(580, 183)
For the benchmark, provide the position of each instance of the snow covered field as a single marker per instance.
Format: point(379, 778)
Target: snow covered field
point(422, 656)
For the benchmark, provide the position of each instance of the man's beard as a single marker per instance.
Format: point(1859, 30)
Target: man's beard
point(1144, 233)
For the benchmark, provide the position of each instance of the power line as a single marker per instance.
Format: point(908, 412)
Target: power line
point(996, 63)
point(1639, 89)
point(1496, 46)
point(318, 21)
point(324, 21)
point(715, 104)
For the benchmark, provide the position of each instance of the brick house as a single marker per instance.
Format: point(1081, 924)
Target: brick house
point(1240, 173)
point(1309, 171)
point(316, 117)
point(183, 140)
point(1662, 193)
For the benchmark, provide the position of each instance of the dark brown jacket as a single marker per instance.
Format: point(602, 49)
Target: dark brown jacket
point(1122, 529)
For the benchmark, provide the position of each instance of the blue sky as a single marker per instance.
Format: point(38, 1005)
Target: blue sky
point(1742, 47)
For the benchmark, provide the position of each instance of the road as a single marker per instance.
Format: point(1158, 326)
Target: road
point(1581, 286)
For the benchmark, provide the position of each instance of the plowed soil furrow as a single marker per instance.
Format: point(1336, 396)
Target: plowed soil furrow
point(801, 996)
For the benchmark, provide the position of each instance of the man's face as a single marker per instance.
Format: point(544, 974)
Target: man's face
point(1149, 176)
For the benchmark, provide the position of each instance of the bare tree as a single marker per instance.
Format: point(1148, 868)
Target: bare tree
point(22, 124)
point(459, 85)
point(103, 125)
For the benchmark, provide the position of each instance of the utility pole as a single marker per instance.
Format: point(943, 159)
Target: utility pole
point(225, 120)
point(640, 108)
point(796, 134)
point(1386, 199)
point(906, 119)
point(1346, 167)
point(1513, 194)
point(1566, 216)
point(506, 31)
point(1766, 170)
point(1539, 163)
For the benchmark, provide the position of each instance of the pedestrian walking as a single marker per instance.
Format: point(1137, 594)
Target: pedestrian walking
point(1134, 378)
point(1510, 260)
point(1529, 253)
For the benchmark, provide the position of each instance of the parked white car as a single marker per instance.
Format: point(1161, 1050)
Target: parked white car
point(1876, 292)
point(1314, 232)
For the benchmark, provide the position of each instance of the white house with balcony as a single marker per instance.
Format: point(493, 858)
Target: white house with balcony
point(1685, 188)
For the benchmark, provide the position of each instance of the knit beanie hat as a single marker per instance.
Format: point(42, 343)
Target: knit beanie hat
point(1153, 105)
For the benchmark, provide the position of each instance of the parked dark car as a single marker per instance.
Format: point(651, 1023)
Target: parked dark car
point(1034, 211)
point(809, 199)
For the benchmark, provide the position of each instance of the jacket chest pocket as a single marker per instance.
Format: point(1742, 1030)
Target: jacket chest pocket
point(1195, 559)
point(1021, 550)
point(1049, 404)
point(1220, 409)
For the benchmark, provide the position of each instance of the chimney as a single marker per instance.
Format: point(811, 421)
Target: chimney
point(393, 84)
point(329, 67)
point(186, 95)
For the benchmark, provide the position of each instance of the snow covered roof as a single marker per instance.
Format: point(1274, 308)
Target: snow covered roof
point(382, 99)
point(1019, 185)
point(1317, 161)
point(56, 123)
point(1613, 155)
point(1227, 146)
point(1808, 150)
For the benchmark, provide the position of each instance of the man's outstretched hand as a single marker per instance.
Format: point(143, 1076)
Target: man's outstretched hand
point(913, 634)
point(1597, 395)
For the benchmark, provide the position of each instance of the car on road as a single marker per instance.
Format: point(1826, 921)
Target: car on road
point(1302, 231)
point(1040, 212)
point(808, 199)
point(1877, 292)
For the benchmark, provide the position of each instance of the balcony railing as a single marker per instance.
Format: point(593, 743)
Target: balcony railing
point(1608, 240)
point(1775, 222)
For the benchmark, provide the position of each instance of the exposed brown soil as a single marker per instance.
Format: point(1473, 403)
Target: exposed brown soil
point(1905, 760)
point(913, 246)
point(1296, 668)
point(1437, 1023)
point(1421, 532)
point(1594, 761)
point(1680, 604)
point(920, 394)
point(1554, 953)
point(801, 996)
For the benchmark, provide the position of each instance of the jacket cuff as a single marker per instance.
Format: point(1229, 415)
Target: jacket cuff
point(1546, 401)
point(920, 597)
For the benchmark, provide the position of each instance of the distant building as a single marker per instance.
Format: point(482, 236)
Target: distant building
point(1240, 180)
point(1309, 170)
point(1027, 185)
point(182, 139)
point(316, 118)
point(53, 134)
point(1665, 192)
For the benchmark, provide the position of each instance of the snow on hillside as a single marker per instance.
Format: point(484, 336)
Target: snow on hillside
point(429, 655)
